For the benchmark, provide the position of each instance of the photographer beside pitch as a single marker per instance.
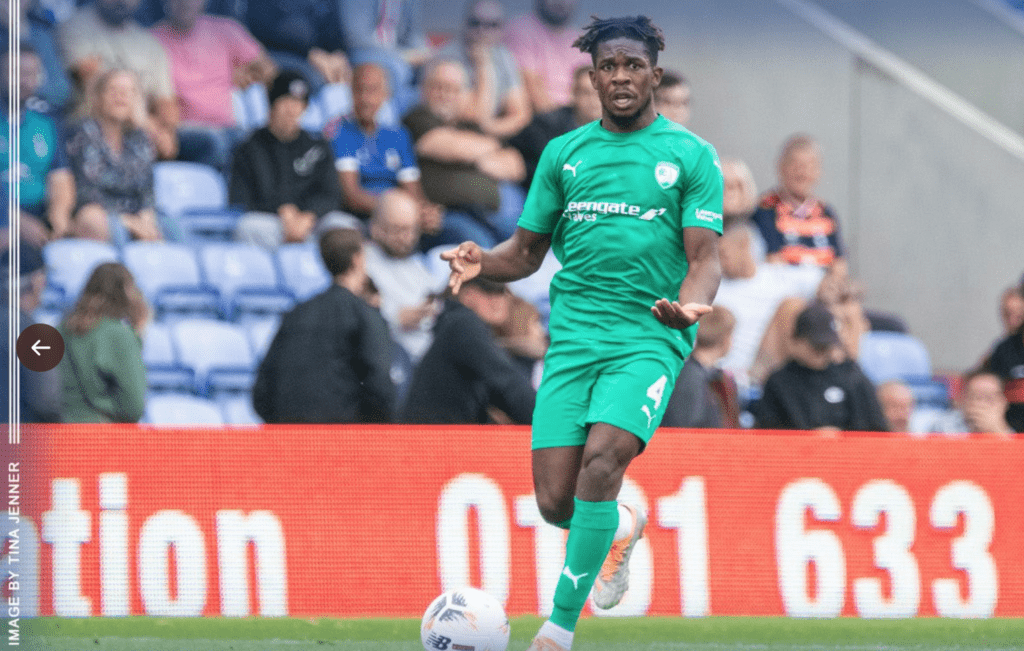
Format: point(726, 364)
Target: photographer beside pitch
point(632, 206)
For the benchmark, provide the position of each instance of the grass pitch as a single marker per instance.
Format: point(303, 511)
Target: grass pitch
point(593, 634)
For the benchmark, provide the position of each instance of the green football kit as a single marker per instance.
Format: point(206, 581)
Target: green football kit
point(615, 205)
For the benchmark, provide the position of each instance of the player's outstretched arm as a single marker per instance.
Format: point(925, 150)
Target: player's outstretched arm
point(698, 290)
point(515, 258)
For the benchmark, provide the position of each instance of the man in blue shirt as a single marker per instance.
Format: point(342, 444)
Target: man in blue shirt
point(370, 157)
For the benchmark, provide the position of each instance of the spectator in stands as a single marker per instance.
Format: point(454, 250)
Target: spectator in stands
point(102, 36)
point(1007, 363)
point(397, 268)
point(704, 397)
point(1011, 309)
point(40, 396)
point(53, 93)
point(370, 157)
point(209, 57)
point(672, 97)
point(112, 159)
point(463, 169)
point(524, 337)
point(739, 194)
point(541, 43)
point(897, 402)
point(465, 372)
point(389, 33)
point(584, 106)
point(797, 226)
point(498, 103)
point(284, 176)
point(983, 407)
point(302, 35)
point(818, 388)
point(754, 294)
point(46, 184)
point(104, 376)
point(844, 298)
point(331, 357)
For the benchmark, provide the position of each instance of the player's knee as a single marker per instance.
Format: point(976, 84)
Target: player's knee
point(602, 468)
point(554, 508)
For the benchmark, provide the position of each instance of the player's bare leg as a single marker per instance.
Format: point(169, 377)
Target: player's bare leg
point(595, 521)
point(554, 482)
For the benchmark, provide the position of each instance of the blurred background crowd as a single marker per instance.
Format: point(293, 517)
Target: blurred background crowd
point(233, 210)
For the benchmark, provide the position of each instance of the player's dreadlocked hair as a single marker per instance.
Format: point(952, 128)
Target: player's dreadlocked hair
point(639, 28)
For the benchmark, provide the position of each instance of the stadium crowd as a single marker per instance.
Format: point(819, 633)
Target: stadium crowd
point(350, 147)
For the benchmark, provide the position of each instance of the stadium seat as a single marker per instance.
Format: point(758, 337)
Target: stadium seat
point(302, 270)
point(168, 274)
point(238, 410)
point(71, 261)
point(197, 197)
point(261, 332)
point(893, 355)
point(246, 277)
point(163, 370)
point(217, 352)
point(929, 392)
point(182, 409)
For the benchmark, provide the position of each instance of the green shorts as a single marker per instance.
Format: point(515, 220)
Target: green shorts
point(587, 382)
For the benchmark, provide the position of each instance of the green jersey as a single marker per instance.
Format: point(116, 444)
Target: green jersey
point(615, 205)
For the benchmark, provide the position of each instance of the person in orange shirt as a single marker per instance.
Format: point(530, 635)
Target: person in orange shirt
point(797, 226)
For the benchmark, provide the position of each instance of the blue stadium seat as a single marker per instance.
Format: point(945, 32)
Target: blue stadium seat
point(163, 370)
point(182, 409)
point(261, 332)
point(238, 410)
point(217, 352)
point(893, 355)
point(168, 274)
point(302, 270)
point(71, 261)
point(246, 277)
point(197, 197)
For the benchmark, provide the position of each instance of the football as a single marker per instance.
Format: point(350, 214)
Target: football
point(464, 619)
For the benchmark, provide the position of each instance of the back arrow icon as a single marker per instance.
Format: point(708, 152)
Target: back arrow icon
point(36, 347)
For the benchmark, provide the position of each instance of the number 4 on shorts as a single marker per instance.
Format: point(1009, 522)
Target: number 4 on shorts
point(657, 390)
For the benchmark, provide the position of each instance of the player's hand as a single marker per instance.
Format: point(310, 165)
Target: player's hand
point(465, 262)
point(677, 316)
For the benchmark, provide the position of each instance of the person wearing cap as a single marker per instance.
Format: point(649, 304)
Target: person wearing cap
point(283, 176)
point(465, 373)
point(819, 388)
point(40, 394)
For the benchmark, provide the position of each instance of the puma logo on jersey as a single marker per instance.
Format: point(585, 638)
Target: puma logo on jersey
point(652, 213)
point(572, 168)
point(566, 572)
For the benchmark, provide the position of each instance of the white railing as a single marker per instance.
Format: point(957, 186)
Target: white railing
point(909, 76)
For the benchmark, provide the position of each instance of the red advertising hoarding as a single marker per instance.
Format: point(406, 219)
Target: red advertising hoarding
point(376, 521)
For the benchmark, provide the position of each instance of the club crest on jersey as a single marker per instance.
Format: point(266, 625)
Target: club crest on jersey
point(666, 173)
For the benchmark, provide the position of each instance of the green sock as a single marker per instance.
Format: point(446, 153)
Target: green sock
point(564, 524)
point(590, 538)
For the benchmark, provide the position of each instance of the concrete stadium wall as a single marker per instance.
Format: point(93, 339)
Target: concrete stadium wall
point(929, 207)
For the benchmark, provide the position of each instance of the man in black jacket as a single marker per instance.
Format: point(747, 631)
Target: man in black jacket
point(465, 372)
point(283, 176)
point(819, 388)
point(330, 360)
